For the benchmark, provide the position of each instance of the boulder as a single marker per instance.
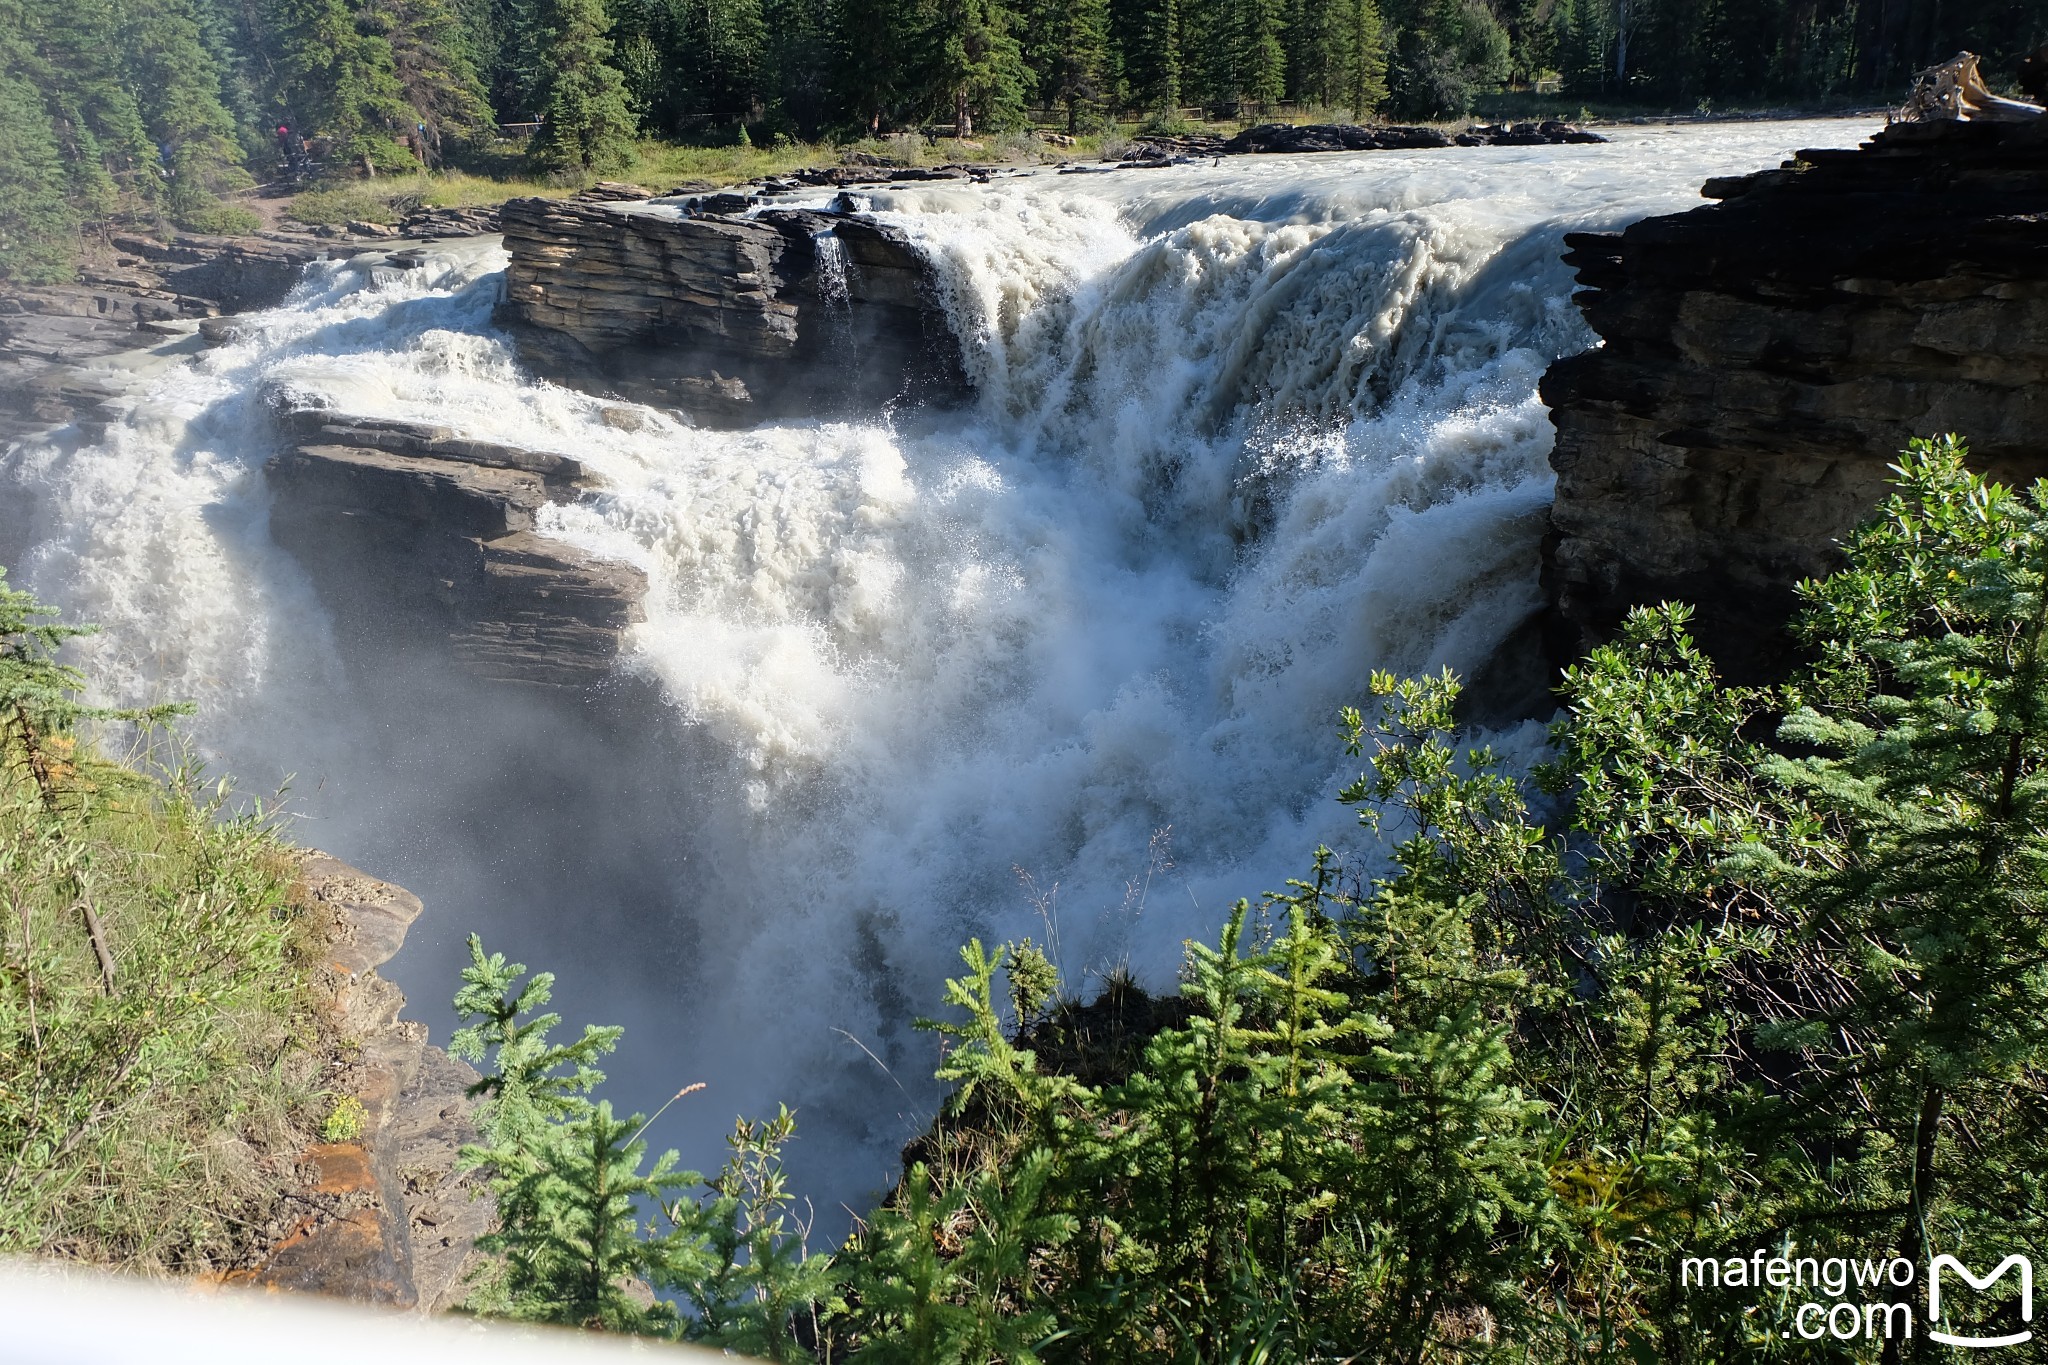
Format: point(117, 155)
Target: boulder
point(424, 224)
point(389, 1215)
point(1546, 133)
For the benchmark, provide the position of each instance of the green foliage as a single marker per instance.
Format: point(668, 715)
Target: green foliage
point(436, 75)
point(111, 109)
point(38, 221)
point(570, 1246)
point(1067, 48)
point(1779, 980)
point(332, 78)
point(587, 122)
point(344, 1121)
point(758, 1279)
point(1447, 54)
point(977, 70)
point(39, 697)
point(1761, 992)
point(153, 974)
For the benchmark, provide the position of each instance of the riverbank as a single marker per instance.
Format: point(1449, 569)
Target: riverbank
point(201, 1072)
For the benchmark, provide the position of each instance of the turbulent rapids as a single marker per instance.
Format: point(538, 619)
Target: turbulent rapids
point(1063, 662)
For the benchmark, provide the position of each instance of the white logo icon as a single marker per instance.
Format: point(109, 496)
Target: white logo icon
point(2026, 1268)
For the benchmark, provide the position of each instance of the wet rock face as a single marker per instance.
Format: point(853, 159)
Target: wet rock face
point(732, 320)
point(416, 536)
point(1766, 358)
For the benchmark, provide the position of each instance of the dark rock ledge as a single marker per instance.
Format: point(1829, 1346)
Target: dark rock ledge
point(385, 1217)
point(417, 536)
point(730, 319)
point(1766, 358)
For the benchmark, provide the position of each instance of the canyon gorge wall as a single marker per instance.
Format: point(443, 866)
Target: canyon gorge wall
point(1765, 359)
point(388, 1214)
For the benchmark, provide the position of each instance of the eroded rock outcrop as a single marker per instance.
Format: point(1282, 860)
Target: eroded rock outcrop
point(135, 290)
point(1766, 357)
point(387, 1214)
point(415, 535)
point(729, 319)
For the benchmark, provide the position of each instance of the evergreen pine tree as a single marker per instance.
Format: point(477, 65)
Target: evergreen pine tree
point(71, 54)
point(566, 1173)
point(1447, 53)
point(587, 124)
point(178, 92)
point(39, 697)
point(1082, 77)
point(1147, 36)
point(978, 66)
point(1259, 58)
point(332, 80)
point(756, 1278)
point(38, 224)
point(569, 1235)
point(722, 48)
point(435, 75)
point(1365, 68)
point(1451, 1151)
point(1926, 728)
point(797, 62)
point(1208, 50)
point(873, 68)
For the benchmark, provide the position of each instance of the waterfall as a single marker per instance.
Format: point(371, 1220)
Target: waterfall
point(832, 286)
point(1063, 663)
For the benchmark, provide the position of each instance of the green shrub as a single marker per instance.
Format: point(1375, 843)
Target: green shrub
point(344, 1121)
point(219, 219)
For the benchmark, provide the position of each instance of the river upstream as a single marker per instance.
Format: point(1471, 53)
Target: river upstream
point(1065, 662)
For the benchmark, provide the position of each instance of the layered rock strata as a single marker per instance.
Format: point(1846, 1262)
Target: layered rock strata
point(415, 535)
point(729, 319)
point(1766, 357)
point(386, 1215)
point(135, 290)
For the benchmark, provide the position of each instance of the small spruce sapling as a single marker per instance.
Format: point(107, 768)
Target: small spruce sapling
point(566, 1172)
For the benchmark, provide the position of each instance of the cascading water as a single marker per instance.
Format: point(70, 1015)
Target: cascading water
point(832, 285)
point(1065, 662)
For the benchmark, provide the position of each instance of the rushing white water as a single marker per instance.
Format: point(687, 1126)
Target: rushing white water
point(1241, 434)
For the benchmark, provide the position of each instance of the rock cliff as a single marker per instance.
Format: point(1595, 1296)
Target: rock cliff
point(730, 319)
point(386, 1216)
point(417, 536)
point(1766, 357)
